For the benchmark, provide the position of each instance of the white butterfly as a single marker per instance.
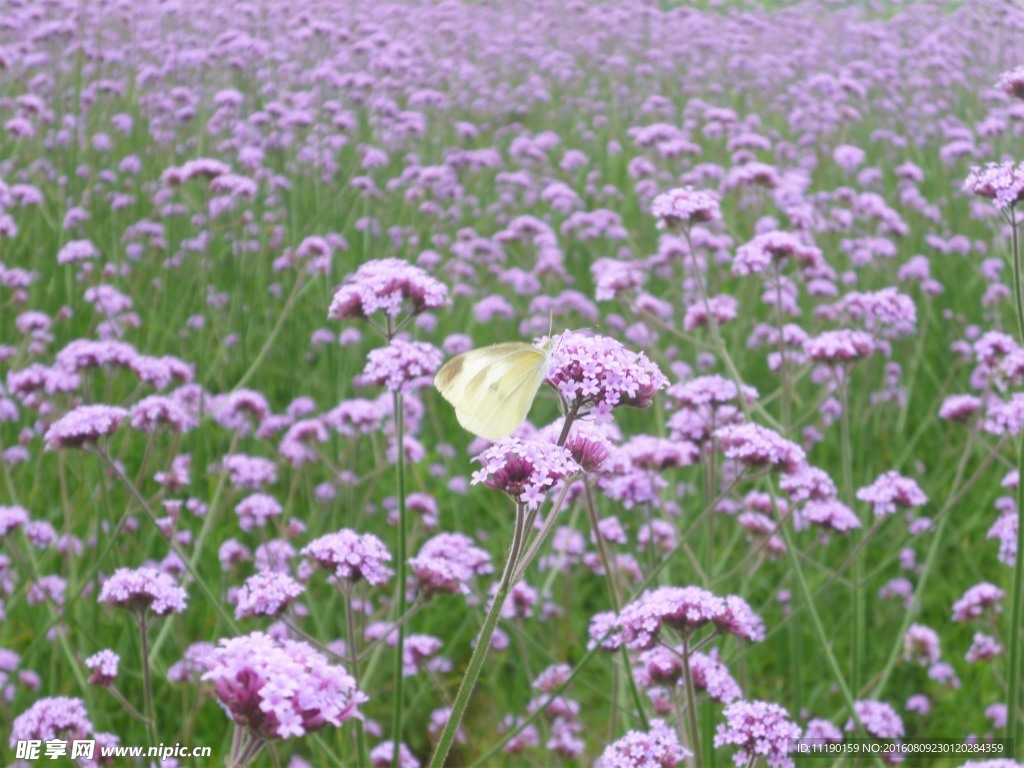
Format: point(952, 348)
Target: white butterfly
point(492, 388)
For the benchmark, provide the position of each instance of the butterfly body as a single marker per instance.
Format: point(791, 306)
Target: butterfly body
point(492, 388)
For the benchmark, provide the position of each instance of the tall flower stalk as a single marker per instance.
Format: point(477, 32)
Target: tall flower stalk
point(1003, 183)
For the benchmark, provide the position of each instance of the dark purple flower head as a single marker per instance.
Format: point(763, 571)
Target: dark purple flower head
point(525, 470)
point(143, 589)
point(759, 729)
point(351, 556)
point(684, 206)
point(1012, 83)
point(104, 667)
point(85, 424)
point(597, 373)
point(278, 690)
point(266, 593)
point(759, 446)
point(402, 365)
point(386, 284)
point(12, 518)
point(656, 748)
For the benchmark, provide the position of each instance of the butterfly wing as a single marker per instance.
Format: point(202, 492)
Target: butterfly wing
point(492, 388)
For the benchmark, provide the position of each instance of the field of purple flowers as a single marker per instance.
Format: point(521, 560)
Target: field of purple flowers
point(768, 489)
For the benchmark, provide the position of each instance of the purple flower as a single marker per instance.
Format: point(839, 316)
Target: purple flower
point(143, 589)
point(598, 373)
point(657, 748)
point(1002, 183)
point(685, 609)
point(85, 424)
point(1012, 83)
point(975, 600)
point(890, 491)
point(104, 667)
point(921, 644)
point(684, 206)
point(983, 648)
point(823, 731)
point(266, 593)
point(52, 718)
point(759, 447)
point(239, 409)
point(959, 407)
point(382, 756)
point(401, 365)
point(385, 284)
point(12, 518)
point(152, 412)
point(447, 563)
point(711, 675)
point(256, 510)
point(759, 729)
point(880, 719)
point(831, 514)
point(525, 470)
point(842, 346)
point(351, 556)
point(774, 248)
point(280, 689)
point(77, 250)
point(249, 471)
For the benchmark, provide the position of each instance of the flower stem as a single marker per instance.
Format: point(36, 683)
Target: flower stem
point(483, 645)
point(856, 536)
point(1016, 634)
point(147, 683)
point(396, 720)
point(350, 639)
point(691, 704)
point(616, 601)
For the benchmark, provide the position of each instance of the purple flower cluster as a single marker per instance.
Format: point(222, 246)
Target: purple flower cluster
point(266, 593)
point(760, 729)
point(1002, 183)
point(685, 609)
point(597, 373)
point(448, 562)
point(351, 556)
point(524, 469)
point(56, 717)
point(104, 667)
point(385, 285)
point(84, 425)
point(143, 589)
point(278, 690)
point(656, 748)
point(759, 447)
point(891, 491)
point(402, 365)
point(685, 206)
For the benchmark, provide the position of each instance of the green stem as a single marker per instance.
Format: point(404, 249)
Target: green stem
point(858, 563)
point(147, 682)
point(396, 720)
point(483, 645)
point(1016, 635)
point(616, 601)
point(691, 704)
point(350, 637)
